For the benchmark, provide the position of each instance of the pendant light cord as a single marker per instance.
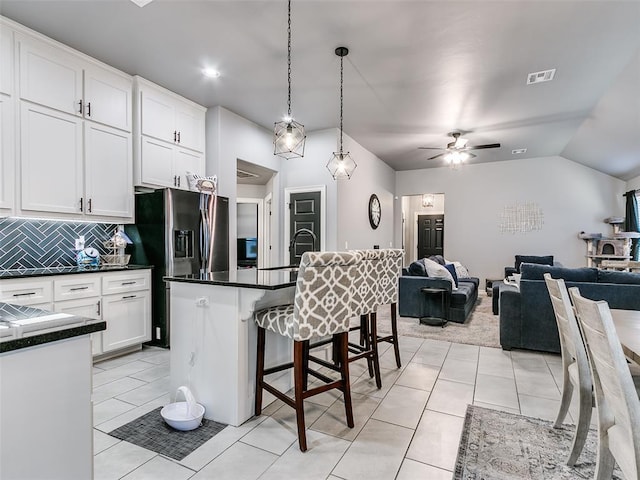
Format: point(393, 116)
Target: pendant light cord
point(341, 73)
point(289, 61)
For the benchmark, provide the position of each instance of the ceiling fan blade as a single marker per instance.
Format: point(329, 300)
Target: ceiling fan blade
point(436, 156)
point(482, 147)
point(430, 148)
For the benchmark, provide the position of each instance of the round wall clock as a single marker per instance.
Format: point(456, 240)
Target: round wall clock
point(375, 211)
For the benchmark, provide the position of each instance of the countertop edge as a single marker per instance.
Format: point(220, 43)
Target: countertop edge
point(16, 273)
point(230, 283)
point(48, 337)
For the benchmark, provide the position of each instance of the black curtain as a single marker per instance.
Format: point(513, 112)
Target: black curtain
point(631, 222)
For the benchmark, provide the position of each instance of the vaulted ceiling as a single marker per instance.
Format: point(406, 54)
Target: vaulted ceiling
point(416, 69)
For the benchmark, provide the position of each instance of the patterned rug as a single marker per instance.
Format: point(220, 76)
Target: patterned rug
point(503, 446)
point(481, 328)
point(151, 432)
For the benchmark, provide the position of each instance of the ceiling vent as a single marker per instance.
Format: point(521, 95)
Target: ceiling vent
point(539, 77)
point(245, 174)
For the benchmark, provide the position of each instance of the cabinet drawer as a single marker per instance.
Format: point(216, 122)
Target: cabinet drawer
point(126, 282)
point(26, 291)
point(76, 286)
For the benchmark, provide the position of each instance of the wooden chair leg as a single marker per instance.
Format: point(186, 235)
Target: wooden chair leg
point(373, 333)
point(394, 332)
point(582, 427)
point(259, 371)
point(344, 376)
point(298, 375)
point(366, 340)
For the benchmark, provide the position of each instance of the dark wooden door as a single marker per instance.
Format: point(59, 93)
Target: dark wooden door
point(430, 235)
point(304, 212)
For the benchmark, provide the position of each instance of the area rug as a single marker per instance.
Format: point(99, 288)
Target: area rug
point(498, 445)
point(151, 432)
point(481, 328)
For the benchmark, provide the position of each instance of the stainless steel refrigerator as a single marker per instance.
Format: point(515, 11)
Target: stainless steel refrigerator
point(179, 233)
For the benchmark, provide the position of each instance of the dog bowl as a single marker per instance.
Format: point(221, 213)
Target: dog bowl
point(183, 415)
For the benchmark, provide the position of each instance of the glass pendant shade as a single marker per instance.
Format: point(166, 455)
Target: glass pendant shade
point(341, 165)
point(455, 158)
point(288, 139)
point(288, 135)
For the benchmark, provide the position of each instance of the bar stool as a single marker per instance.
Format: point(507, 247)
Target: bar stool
point(323, 306)
point(387, 292)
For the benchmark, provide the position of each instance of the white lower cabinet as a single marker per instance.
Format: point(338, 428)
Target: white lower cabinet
point(122, 299)
point(128, 320)
point(84, 307)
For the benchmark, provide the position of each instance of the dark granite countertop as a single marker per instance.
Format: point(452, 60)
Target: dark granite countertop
point(271, 279)
point(22, 327)
point(39, 272)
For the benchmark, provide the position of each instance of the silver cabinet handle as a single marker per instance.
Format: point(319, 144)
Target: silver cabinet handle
point(128, 296)
point(23, 294)
point(78, 288)
point(98, 307)
point(129, 283)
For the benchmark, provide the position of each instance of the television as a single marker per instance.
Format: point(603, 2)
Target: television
point(247, 251)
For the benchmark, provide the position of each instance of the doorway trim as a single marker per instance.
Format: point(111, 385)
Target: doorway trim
point(261, 240)
point(268, 217)
point(323, 214)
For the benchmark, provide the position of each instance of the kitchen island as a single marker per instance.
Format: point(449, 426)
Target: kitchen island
point(46, 427)
point(213, 337)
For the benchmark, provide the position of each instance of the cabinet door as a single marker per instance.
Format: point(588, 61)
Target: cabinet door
point(107, 98)
point(6, 61)
point(187, 161)
point(158, 115)
point(190, 126)
point(128, 318)
point(108, 171)
point(51, 160)
point(49, 76)
point(86, 307)
point(156, 162)
point(26, 291)
point(7, 157)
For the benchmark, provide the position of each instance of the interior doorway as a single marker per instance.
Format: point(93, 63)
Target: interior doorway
point(423, 225)
point(305, 208)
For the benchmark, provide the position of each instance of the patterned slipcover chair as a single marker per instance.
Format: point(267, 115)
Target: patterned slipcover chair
point(323, 305)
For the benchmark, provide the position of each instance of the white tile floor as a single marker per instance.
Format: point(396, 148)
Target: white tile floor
point(409, 429)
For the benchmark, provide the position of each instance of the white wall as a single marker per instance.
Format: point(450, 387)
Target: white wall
point(371, 176)
point(573, 198)
point(230, 137)
point(247, 220)
point(633, 184)
point(251, 191)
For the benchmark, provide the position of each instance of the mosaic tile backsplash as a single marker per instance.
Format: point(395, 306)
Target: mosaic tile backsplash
point(46, 243)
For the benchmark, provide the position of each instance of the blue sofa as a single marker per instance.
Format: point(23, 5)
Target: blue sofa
point(413, 303)
point(526, 316)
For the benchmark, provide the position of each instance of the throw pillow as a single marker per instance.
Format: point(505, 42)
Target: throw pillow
point(539, 260)
point(438, 259)
point(452, 270)
point(438, 271)
point(418, 269)
point(461, 270)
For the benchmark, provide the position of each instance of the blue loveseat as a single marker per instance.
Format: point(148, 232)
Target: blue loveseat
point(526, 316)
point(413, 303)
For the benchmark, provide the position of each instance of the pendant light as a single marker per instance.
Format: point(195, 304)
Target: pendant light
point(289, 136)
point(341, 165)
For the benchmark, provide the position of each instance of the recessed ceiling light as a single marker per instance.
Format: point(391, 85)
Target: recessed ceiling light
point(518, 151)
point(539, 77)
point(211, 72)
point(141, 3)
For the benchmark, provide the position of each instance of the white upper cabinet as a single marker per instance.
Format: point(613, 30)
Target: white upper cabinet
point(169, 133)
point(7, 156)
point(171, 118)
point(51, 160)
point(108, 171)
point(107, 98)
point(49, 75)
point(6, 61)
point(58, 79)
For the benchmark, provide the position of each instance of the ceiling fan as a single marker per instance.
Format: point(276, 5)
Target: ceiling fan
point(457, 151)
